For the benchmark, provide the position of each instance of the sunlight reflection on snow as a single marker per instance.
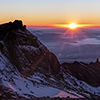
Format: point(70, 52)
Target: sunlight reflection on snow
point(63, 94)
point(12, 87)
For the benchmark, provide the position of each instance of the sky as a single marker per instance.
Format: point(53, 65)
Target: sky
point(48, 12)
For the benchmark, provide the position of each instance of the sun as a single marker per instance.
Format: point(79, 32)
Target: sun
point(72, 26)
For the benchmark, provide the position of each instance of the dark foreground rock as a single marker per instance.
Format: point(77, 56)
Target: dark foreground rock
point(44, 98)
point(89, 73)
point(29, 70)
point(25, 51)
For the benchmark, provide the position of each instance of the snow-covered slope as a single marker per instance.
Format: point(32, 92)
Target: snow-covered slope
point(28, 69)
point(15, 85)
point(24, 56)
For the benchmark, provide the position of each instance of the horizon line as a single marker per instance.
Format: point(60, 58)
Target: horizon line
point(63, 25)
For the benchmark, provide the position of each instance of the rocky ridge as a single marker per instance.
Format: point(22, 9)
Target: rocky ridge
point(27, 67)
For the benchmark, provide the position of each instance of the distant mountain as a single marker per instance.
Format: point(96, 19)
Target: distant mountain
point(29, 70)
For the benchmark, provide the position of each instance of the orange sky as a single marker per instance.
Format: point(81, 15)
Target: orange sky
point(48, 12)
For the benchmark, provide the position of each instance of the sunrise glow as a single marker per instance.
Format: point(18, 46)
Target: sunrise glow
point(72, 26)
point(50, 12)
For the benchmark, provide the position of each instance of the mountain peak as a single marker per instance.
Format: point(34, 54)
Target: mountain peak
point(97, 61)
point(17, 24)
point(8, 27)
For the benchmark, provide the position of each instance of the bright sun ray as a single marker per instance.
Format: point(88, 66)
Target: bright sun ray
point(73, 36)
point(73, 33)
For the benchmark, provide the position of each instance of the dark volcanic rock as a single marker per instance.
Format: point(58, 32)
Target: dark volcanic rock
point(8, 27)
point(89, 73)
point(24, 50)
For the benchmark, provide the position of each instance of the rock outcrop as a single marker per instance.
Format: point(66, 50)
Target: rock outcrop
point(28, 69)
point(89, 73)
point(25, 51)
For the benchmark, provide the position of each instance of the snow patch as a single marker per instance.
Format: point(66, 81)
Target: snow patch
point(63, 94)
point(27, 47)
point(81, 85)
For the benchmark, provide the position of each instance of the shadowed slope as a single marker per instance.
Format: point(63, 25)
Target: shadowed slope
point(25, 51)
point(89, 73)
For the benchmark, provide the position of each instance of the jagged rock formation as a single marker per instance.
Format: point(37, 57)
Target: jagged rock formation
point(8, 27)
point(89, 73)
point(25, 51)
point(28, 68)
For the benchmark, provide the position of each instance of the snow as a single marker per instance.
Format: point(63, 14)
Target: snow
point(74, 93)
point(91, 89)
point(27, 87)
point(21, 31)
point(27, 47)
point(2, 42)
point(82, 85)
point(11, 87)
point(24, 32)
point(88, 95)
point(37, 77)
point(63, 94)
point(46, 91)
point(52, 79)
point(23, 85)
